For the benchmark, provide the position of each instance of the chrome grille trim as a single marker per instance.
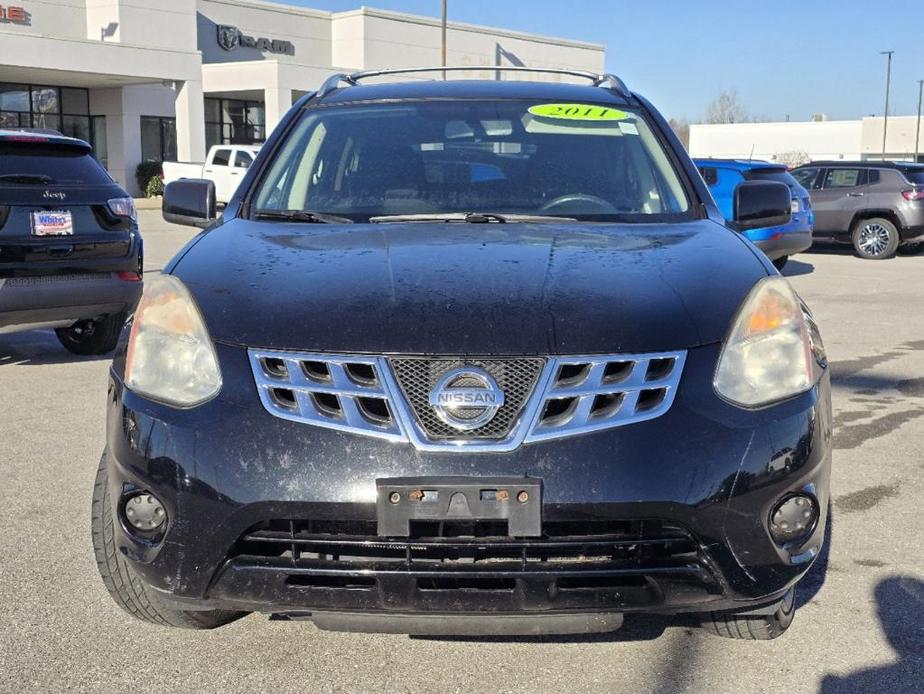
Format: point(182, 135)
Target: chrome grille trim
point(632, 382)
point(632, 387)
point(340, 385)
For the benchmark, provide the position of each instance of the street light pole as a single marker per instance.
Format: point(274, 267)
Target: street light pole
point(885, 120)
point(443, 41)
point(917, 130)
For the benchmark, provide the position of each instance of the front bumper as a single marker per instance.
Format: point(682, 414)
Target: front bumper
point(681, 502)
point(59, 300)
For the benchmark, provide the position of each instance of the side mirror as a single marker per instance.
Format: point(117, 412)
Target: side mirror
point(761, 204)
point(190, 201)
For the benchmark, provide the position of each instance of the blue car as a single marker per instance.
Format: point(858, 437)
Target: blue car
point(778, 243)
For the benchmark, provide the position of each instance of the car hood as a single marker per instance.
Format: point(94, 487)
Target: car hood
point(477, 289)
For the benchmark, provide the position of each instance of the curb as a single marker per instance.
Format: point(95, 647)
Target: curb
point(148, 203)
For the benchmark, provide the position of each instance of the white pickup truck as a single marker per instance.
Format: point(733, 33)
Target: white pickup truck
point(225, 165)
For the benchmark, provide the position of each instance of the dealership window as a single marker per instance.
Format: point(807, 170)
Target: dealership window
point(234, 122)
point(158, 138)
point(65, 109)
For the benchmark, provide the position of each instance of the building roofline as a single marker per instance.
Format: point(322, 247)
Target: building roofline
point(461, 26)
point(867, 163)
point(780, 123)
point(410, 18)
point(277, 7)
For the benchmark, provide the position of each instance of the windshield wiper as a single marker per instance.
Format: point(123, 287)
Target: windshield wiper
point(26, 178)
point(301, 216)
point(469, 218)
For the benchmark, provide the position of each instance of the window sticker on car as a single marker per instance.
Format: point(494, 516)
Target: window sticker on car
point(577, 112)
point(554, 126)
point(628, 128)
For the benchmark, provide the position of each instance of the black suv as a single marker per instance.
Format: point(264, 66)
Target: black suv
point(70, 251)
point(467, 357)
point(876, 206)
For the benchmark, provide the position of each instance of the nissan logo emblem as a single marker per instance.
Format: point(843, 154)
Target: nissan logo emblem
point(466, 398)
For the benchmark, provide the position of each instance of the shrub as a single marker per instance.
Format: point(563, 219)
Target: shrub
point(154, 187)
point(145, 171)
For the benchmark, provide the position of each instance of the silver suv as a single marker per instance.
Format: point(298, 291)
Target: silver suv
point(877, 206)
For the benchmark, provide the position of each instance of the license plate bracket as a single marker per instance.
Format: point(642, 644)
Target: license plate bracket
point(518, 500)
point(52, 223)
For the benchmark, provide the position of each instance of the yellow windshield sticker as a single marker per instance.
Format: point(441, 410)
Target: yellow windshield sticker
point(578, 112)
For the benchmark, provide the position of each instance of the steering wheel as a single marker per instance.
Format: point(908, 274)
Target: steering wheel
point(605, 206)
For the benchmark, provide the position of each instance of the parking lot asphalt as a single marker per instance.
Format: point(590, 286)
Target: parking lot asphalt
point(860, 627)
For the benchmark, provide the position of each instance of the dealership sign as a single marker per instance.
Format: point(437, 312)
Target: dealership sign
point(230, 37)
point(14, 15)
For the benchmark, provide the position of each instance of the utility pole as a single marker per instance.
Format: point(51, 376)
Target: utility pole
point(885, 120)
point(917, 130)
point(443, 42)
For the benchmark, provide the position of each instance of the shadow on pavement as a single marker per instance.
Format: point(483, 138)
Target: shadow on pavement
point(794, 268)
point(37, 348)
point(900, 607)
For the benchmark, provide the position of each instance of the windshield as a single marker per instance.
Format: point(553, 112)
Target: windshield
point(586, 162)
point(778, 175)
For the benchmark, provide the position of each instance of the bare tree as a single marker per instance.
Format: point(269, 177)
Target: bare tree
point(792, 158)
point(681, 128)
point(726, 109)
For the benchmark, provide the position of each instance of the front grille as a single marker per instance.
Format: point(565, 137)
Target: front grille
point(334, 392)
point(473, 547)
point(542, 399)
point(418, 377)
point(599, 392)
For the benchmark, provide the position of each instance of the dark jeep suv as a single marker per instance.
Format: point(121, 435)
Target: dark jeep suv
point(70, 251)
point(876, 206)
point(467, 357)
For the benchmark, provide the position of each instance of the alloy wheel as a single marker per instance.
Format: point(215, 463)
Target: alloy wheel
point(874, 239)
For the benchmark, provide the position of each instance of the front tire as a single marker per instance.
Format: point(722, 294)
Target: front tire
point(91, 337)
point(780, 263)
point(128, 592)
point(911, 248)
point(875, 238)
point(754, 627)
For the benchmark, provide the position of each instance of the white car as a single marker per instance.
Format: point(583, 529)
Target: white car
point(225, 165)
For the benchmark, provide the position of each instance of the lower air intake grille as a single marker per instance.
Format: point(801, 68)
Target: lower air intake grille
point(515, 377)
point(468, 544)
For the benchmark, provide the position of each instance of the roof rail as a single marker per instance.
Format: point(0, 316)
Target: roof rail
point(611, 81)
point(606, 81)
point(332, 82)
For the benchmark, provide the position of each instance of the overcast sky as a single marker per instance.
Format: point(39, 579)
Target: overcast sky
point(783, 57)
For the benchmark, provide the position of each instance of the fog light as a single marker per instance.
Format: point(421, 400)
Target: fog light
point(793, 518)
point(145, 512)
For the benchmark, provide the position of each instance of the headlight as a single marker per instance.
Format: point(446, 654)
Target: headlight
point(768, 354)
point(170, 355)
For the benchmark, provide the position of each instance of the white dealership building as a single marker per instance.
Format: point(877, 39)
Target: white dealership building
point(166, 80)
point(799, 141)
